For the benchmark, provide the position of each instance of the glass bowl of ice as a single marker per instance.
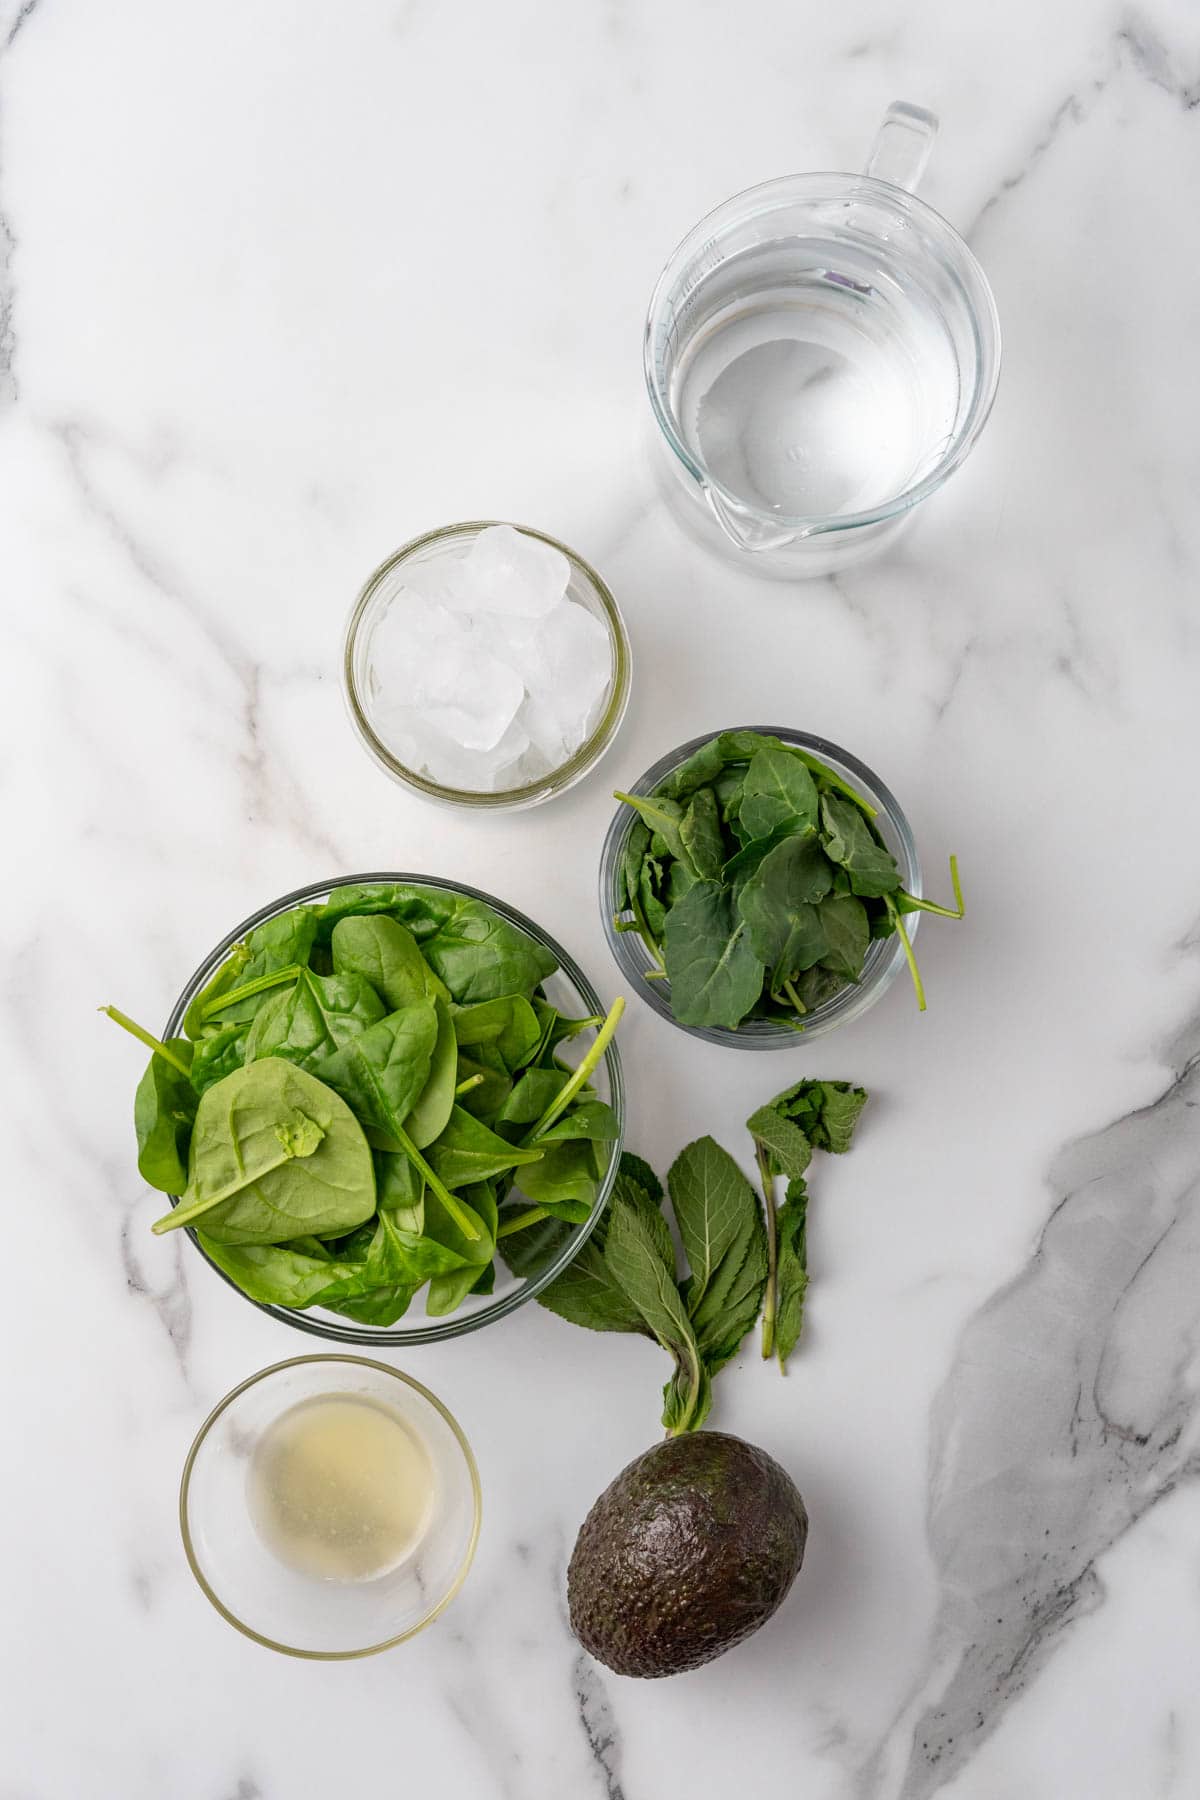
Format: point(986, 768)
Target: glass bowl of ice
point(486, 665)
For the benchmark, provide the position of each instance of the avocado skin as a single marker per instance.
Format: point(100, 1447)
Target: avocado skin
point(686, 1553)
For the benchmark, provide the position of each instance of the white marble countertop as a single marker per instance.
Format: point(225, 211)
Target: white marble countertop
point(281, 287)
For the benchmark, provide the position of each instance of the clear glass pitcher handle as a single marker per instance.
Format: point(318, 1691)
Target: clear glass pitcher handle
point(902, 145)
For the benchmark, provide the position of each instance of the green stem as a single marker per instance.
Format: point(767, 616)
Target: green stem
point(642, 926)
point(795, 999)
point(248, 989)
point(957, 911)
point(770, 1293)
point(144, 1037)
point(567, 1093)
point(464, 1087)
point(695, 1380)
point(452, 1206)
point(534, 1216)
point(894, 915)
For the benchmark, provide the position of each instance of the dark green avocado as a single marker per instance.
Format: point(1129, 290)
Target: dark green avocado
point(687, 1552)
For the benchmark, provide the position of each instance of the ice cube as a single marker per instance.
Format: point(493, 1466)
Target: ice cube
point(411, 628)
point(425, 749)
point(506, 571)
point(567, 675)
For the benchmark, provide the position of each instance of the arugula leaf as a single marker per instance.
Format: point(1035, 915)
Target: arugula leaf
point(714, 974)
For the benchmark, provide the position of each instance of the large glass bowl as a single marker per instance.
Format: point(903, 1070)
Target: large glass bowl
point(570, 990)
point(884, 958)
point(384, 588)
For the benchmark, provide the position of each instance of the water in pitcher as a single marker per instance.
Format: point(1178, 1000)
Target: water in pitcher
point(808, 382)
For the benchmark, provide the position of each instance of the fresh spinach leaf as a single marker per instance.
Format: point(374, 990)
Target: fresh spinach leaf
point(217, 1056)
point(663, 817)
point(508, 1022)
point(226, 977)
point(778, 790)
point(714, 974)
point(164, 1111)
point(313, 1018)
point(275, 1154)
point(446, 1292)
point(384, 953)
point(480, 956)
point(432, 1108)
point(850, 840)
point(700, 834)
point(785, 926)
point(847, 935)
point(468, 1151)
point(564, 1181)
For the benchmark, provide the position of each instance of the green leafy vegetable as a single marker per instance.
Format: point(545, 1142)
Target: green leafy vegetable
point(757, 879)
point(164, 1112)
point(275, 1154)
point(361, 1088)
point(714, 974)
point(383, 952)
point(812, 1115)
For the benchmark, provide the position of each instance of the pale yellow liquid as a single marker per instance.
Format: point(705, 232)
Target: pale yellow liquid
point(341, 1488)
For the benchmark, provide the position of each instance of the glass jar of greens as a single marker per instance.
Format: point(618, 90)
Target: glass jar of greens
point(767, 1023)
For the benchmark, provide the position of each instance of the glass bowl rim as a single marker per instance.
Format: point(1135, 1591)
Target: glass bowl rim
point(759, 201)
point(546, 786)
point(766, 1036)
point(461, 1572)
point(452, 1325)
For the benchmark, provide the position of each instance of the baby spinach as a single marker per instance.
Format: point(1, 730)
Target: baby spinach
point(714, 974)
point(431, 1109)
point(275, 1154)
point(757, 878)
point(469, 1151)
point(164, 1112)
point(361, 1086)
point(385, 954)
point(313, 1018)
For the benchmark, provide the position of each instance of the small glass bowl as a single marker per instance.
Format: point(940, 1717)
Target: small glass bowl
point(884, 957)
point(453, 542)
point(573, 994)
point(301, 1614)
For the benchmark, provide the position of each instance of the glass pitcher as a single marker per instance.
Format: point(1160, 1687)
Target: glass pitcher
point(821, 352)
